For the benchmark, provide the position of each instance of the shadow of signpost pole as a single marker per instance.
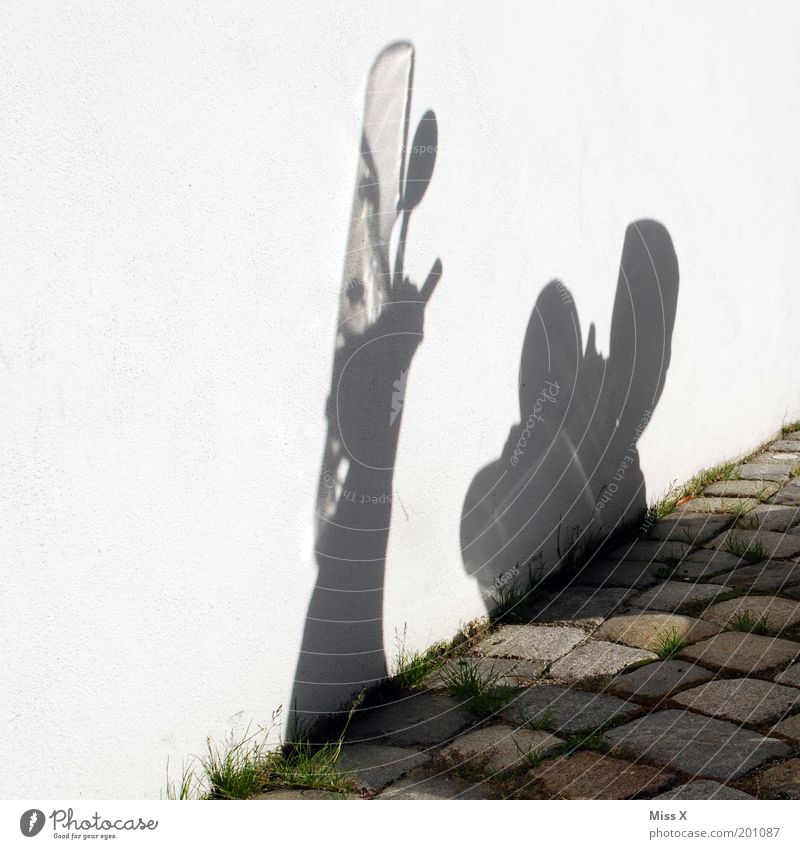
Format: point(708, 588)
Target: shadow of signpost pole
point(380, 327)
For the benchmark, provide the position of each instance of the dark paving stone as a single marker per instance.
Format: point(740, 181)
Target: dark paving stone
point(570, 711)
point(707, 504)
point(425, 786)
point(690, 528)
point(291, 793)
point(788, 495)
point(768, 543)
point(597, 659)
point(789, 727)
point(499, 748)
point(576, 603)
point(790, 676)
point(672, 595)
point(705, 563)
point(657, 680)
point(779, 458)
point(764, 471)
point(770, 517)
point(781, 781)
point(589, 775)
point(704, 790)
point(792, 445)
point(741, 489)
point(741, 700)
point(740, 652)
point(503, 672)
point(373, 767)
point(768, 576)
point(613, 573)
point(651, 550)
point(694, 744)
point(422, 720)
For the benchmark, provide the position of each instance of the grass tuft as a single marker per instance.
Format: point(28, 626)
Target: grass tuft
point(594, 742)
point(667, 643)
point(512, 593)
point(752, 551)
point(410, 668)
point(745, 621)
point(544, 721)
point(240, 767)
point(482, 695)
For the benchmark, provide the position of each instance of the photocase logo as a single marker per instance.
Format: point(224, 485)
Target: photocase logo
point(398, 395)
point(31, 822)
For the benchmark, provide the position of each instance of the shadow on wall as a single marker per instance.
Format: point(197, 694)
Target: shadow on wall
point(570, 462)
point(569, 470)
point(379, 329)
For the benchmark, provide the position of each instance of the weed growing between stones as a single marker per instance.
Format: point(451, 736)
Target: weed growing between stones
point(667, 643)
point(412, 667)
point(482, 695)
point(749, 550)
point(242, 766)
point(745, 621)
point(542, 722)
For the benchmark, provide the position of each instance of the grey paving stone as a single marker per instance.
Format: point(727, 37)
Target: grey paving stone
point(651, 550)
point(641, 630)
point(674, 594)
point(781, 781)
point(704, 504)
point(742, 489)
point(780, 613)
point(772, 544)
point(613, 573)
point(690, 528)
point(789, 727)
point(770, 575)
point(597, 659)
point(373, 767)
point(764, 471)
point(576, 603)
point(792, 445)
point(788, 495)
point(499, 748)
point(503, 671)
point(703, 563)
point(422, 719)
point(782, 458)
point(704, 790)
point(790, 676)
point(739, 652)
point(741, 700)
point(530, 642)
point(299, 793)
point(791, 592)
point(422, 785)
point(770, 517)
point(693, 744)
point(570, 711)
point(589, 775)
point(657, 680)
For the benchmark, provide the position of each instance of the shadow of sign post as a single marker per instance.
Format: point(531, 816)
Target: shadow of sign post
point(380, 326)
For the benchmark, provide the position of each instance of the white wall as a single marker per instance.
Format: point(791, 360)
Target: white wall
point(176, 182)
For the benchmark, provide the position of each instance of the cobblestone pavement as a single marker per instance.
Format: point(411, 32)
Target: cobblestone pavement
point(670, 669)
